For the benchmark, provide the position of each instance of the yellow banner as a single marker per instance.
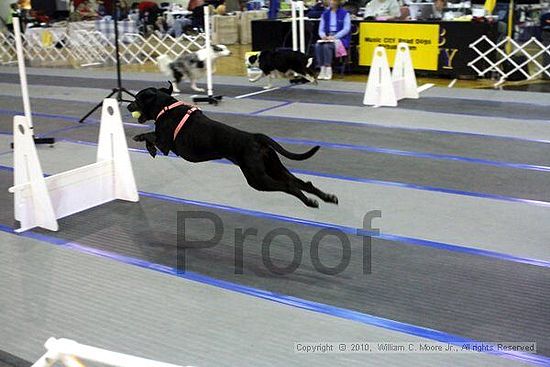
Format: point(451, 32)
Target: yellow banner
point(423, 40)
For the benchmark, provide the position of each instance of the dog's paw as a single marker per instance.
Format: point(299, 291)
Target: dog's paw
point(152, 149)
point(198, 89)
point(268, 87)
point(140, 137)
point(312, 203)
point(331, 199)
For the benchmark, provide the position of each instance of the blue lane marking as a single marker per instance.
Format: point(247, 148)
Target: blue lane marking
point(333, 122)
point(345, 229)
point(380, 126)
point(364, 148)
point(271, 108)
point(423, 188)
point(320, 308)
point(338, 91)
point(368, 180)
point(4, 111)
point(89, 120)
point(403, 109)
point(57, 131)
point(355, 231)
point(367, 148)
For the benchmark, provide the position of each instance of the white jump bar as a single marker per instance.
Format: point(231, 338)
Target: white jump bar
point(59, 349)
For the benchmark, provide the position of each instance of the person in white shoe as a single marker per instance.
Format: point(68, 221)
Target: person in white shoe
point(334, 27)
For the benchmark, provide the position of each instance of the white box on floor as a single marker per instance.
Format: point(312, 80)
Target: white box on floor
point(225, 29)
point(245, 24)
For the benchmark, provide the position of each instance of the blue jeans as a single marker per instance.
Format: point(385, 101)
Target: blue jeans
point(179, 26)
point(324, 53)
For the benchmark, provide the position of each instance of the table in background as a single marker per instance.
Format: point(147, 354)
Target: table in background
point(107, 27)
point(171, 15)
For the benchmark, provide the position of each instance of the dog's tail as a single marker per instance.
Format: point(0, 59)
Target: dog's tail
point(309, 62)
point(164, 62)
point(279, 149)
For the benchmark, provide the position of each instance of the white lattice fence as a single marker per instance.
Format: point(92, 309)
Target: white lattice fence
point(137, 49)
point(494, 56)
point(7, 48)
point(47, 48)
point(82, 47)
point(91, 48)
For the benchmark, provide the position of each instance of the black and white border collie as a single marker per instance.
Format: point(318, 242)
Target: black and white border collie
point(190, 66)
point(282, 63)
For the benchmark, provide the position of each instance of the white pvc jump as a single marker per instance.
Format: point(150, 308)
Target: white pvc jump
point(297, 8)
point(22, 72)
point(39, 201)
point(208, 53)
point(69, 353)
point(211, 99)
point(385, 87)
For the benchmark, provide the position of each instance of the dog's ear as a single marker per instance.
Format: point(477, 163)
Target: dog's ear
point(169, 90)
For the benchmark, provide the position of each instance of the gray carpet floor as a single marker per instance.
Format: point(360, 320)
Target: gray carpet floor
point(443, 183)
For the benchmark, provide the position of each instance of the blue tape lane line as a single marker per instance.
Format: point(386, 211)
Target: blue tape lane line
point(369, 181)
point(424, 188)
point(88, 121)
point(342, 313)
point(367, 148)
point(359, 92)
point(330, 145)
point(271, 108)
point(380, 126)
point(57, 131)
point(331, 122)
point(345, 229)
point(354, 231)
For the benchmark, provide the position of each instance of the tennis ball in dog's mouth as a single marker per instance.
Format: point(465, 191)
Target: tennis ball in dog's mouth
point(136, 114)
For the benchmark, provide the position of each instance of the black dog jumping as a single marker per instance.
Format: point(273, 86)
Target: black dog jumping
point(203, 139)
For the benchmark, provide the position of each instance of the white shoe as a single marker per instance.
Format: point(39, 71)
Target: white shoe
point(328, 73)
point(322, 73)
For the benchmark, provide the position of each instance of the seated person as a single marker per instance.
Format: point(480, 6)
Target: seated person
point(334, 27)
point(86, 11)
point(149, 11)
point(382, 8)
point(176, 29)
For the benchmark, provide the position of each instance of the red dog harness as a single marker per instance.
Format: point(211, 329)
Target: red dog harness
point(185, 117)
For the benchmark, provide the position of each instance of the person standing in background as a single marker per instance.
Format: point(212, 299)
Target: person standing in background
point(194, 4)
point(24, 11)
point(334, 27)
point(13, 12)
